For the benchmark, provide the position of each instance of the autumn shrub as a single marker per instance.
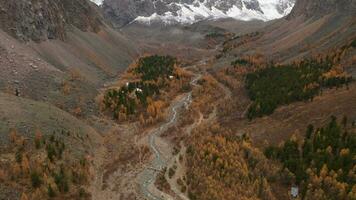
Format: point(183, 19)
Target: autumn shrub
point(61, 180)
point(24, 196)
point(240, 61)
point(353, 44)
point(18, 155)
point(38, 139)
point(171, 172)
point(83, 194)
point(51, 192)
point(3, 175)
point(51, 153)
point(36, 179)
point(161, 181)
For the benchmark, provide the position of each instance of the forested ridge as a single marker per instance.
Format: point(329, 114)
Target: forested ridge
point(273, 86)
point(141, 97)
point(323, 164)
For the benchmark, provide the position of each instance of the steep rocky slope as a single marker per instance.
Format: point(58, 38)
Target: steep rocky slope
point(47, 19)
point(320, 8)
point(311, 28)
point(43, 43)
point(55, 55)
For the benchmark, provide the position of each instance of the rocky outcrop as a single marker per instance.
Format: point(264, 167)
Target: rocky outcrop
point(122, 12)
point(46, 19)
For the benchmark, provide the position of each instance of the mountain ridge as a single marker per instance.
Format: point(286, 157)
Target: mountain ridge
point(123, 12)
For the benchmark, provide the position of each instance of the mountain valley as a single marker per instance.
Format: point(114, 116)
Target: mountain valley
point(177, 100)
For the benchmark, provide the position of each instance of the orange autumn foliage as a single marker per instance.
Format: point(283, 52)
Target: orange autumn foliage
point(223, 167)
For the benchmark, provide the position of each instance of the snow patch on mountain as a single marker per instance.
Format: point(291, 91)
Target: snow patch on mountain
point(97, 2)
point(196, 11)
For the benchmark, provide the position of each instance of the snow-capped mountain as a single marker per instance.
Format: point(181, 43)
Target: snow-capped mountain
point(190, 11)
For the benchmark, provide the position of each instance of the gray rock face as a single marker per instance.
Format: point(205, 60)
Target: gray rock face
point(46, 19)
point(253, 5)
point(122, 12)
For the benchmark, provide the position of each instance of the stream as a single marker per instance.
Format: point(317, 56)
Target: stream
point(148, 176)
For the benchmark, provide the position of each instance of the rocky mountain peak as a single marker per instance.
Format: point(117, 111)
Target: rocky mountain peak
point(122, 12)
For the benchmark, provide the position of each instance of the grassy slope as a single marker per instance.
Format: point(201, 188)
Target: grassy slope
point(287, 40)
point(95, 56)
point(26, 116)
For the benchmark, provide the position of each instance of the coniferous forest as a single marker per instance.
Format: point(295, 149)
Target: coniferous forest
point(273, 86)
point(323, 164)
point(155, 67)
point(153, 72)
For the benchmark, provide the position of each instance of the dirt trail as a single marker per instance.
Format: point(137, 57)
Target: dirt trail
point(227, 91)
